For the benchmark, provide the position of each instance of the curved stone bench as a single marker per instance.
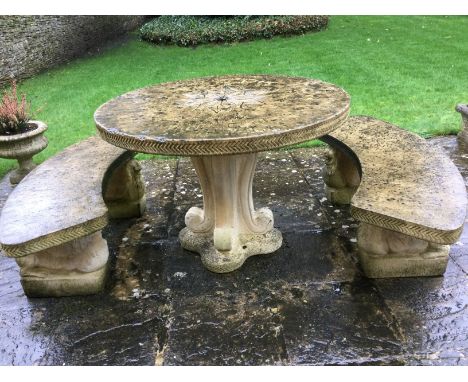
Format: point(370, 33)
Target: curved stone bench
point(407, 194)
point(52, 221)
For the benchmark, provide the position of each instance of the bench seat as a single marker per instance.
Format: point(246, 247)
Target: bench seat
point(408, 195)
point(52, 221)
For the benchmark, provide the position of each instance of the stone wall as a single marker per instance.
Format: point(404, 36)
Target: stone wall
point(31, 44)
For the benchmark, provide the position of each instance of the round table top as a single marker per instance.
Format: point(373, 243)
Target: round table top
point(222, 115)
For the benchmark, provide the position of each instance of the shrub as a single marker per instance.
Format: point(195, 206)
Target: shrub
point(14, 113)
point(195, 30)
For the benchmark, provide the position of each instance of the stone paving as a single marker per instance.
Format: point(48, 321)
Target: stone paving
point(306, 304)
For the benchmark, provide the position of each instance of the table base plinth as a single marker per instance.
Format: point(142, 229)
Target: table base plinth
point(228, 261)
point(228, 229)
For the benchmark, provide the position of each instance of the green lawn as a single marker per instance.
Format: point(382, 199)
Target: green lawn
point(411, 71)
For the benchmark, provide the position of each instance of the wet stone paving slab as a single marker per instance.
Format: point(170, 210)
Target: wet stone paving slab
point(306, 304)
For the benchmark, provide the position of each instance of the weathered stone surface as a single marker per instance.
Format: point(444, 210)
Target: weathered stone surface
point(30, 44)
point(124, 191)
point(59, 201)
point(222, 115)
point(51, 222)
point(73, 268)
point(228, 229)
point(432, 315)
point(385, 253)
point(406, 185)
point(208, 118)
point(341, 176)
point(306, 304)
point(347, 326)
point(407, 194)
point(198, 336)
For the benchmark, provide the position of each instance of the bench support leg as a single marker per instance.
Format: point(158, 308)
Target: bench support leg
point(125, 191)
point(341, 177)
point(77, 267)
point(385, 253)
point(463, 134)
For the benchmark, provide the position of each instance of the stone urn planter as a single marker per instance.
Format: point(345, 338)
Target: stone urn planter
point(463, 134)
point(23, 147)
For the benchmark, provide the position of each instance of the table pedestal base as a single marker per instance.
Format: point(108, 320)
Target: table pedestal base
point(228, 261)
point(228, 229)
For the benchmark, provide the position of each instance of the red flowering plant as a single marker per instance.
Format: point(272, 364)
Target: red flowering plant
point(14, 113)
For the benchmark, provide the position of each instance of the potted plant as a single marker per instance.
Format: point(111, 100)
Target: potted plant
point(20, 137)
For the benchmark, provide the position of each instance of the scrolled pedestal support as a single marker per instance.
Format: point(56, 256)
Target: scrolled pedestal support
point(228, 229)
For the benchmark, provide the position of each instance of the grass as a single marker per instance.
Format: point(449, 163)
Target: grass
point(411, 71)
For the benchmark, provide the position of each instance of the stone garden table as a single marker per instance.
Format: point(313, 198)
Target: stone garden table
point(222, 123)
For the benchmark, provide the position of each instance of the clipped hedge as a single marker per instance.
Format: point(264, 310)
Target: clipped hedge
point(195, 30)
